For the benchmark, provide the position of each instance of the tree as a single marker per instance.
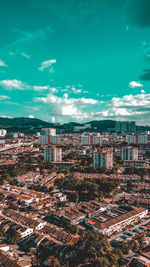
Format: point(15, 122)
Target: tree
point(140, 239)
point(35, 261)
point(101, 262)
point(94, 244)
point(74, 197)
point(2, 231)
point(2, 197)
point(32, 251)
point(118, 252)
point(134, 245)
point(12, 236)
point(52, 261)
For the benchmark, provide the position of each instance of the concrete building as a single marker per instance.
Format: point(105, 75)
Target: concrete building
point(135, 163)
point(48, 139)
point(129, 153)
point(125, 126)
point(48, 131)
point(116, 219)
point(132, 127)
point(136, 139)
point(53, 154)
point(103, 159)
point(15, 135)
point(3, 132)
point(48, 136)
point(91, 139)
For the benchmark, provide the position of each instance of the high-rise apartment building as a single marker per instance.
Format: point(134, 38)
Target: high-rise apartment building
point(53, 154)
point(136, 139)
point(48, 136)
point(48, 131)
point(2, 132)
point(125, 126)
point(103, 159)
point(132, 126)
point(91, 139)
point(48, 139)
point(129, 153)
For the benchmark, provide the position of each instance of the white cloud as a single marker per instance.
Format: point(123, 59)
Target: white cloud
point(47, 65)
point(8, 117)
point(16, 84)
point(31, 116)
point(4, 97)
point(142, 91)
point(64, 90)
point(76, 91)
point(53, 119)
point(25, 55)
point(2, 63)
point(134, 84)
point(13, 84)
point(128, 107)
point(68, 107)
point(11, 53)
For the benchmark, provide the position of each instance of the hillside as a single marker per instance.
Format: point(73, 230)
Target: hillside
point(32, 125)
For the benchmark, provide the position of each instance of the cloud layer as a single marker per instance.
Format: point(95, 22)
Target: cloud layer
point(19, 85)
point(47, 65)
point(134, 84)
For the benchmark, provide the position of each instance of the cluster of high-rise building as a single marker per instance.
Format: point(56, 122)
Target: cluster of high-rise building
point(138, 139)
point(53, 154)
point(125, 126)
point(103, 159)
point(91, 139)
point(48, 136)
point(129, 153)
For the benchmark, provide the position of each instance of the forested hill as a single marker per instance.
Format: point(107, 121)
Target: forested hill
point(32, 125)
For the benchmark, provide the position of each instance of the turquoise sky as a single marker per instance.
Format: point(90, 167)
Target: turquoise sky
point(75, 60)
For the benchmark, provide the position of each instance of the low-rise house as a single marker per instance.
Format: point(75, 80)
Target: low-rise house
point(114, 220)
point(139, 262)
point(71, 215)
point(4, 247)
point(7, 260)
point(60, 196)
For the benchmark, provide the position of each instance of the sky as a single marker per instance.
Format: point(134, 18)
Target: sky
point(75, 60)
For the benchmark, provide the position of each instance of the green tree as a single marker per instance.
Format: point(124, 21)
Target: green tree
point(101, 262)
point(2, 197)
point(2, 230)
point(52, 261)
point(94, 244)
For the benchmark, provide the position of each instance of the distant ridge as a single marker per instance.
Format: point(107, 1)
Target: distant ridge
point(31, 125)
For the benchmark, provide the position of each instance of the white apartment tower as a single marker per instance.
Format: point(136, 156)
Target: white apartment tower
point(91, 139)
point(48, 136)
point(103, 159)
point(129, 153)
point(136, 139)
point(53, 154)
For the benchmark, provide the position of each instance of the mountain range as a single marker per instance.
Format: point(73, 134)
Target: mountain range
point(32, 125)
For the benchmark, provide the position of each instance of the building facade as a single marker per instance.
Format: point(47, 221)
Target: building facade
point(48, 131)
point(103, 159)
point(129, 153)
point(53, 154)
point(91, 139)
point(3, 132)
point(125, 126)
point(136, 139)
